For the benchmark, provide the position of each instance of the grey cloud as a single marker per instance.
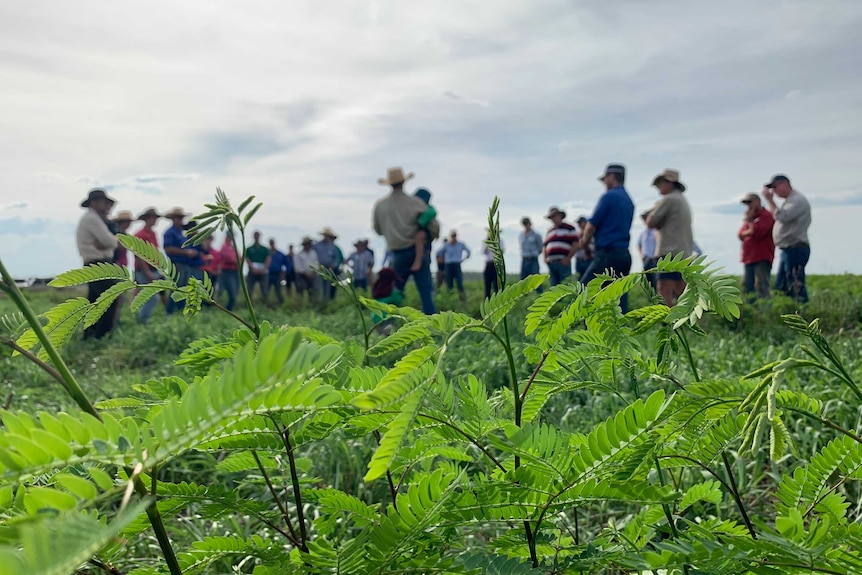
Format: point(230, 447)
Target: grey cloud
point(26, 227)
point(212, 152)
point(466, 99)
point(18, 206)
point(849, 198)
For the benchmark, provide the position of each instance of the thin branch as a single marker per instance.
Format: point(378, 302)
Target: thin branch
point(465, 434)
point(393, 492)
point(297, 493)
point(292, 535)
point(534, 374)
point(35, 359)
point(736, 496)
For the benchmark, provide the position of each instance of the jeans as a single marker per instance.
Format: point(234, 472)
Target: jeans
point(361, 283)
point(529, 267)
point(146, 310)
point(259, 279)
point(559, 272)
point(274, 283)
point(454, 276)
point(756, 279)
point(228, 281)
point(581, 266)
point(490, 277)
point(401, 262)
point(183, 272)
point(791, 272)
point(618, 261)
point(106, 322)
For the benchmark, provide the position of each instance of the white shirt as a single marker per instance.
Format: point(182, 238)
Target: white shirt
point(95, 240)
point(303, 260)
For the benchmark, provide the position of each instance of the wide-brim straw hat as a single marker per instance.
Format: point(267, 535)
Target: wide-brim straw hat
point(176, 213)
point(554, 211)
point(149, 213)
point(395, 176)
point(97, 194)
point(124, 216)
point(671, 176)
point(328, 232)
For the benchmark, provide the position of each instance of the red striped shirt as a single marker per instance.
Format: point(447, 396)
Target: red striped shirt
point(559, 241)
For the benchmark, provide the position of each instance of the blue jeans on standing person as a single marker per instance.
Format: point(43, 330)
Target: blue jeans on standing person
point(228, 281)
point(454, 276)
point(617, 261)
point(146, 310)
point(791, 272)
point(530, 267)
point(559, 272)
point(401, 262)
point(183, 274)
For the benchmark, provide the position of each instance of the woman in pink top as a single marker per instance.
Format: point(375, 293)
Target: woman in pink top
point(229, 276)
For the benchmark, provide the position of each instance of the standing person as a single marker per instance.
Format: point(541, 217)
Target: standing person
point(440, 259)
point(646, 248)
point(531, 248)
point(396, 218)
point(289, 273)
point(196, 262)
point(758, 247)
point(173, 240)
point(361, 263)
point(671, 216)
point(303, 265)
point(96, 244)
point(228, 280)
point(422, 241)
point(144, 272)
point(489, 275)
point(329, 256)
point(455, 253)
point(257, 258)
point(561, 243)
point(212, 261)
point(122, 222)
point(583, 256)
point(610, 226)
point(790, 234)
point(276, 272)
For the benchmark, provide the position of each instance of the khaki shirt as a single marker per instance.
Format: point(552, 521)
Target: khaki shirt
point(671, 216)
point(95, 240)
point(791, 221)
point(396, 218)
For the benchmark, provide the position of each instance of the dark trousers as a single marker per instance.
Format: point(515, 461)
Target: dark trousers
point(259, 279)
point(401, 262)
point(559, 272)
point(652, 277)
point(791, 272)
point(274, 284)
point(454, 276)
point(756, 279)
point(441, 273)
point(106, 322)
point(617, 262)
point(581, 266)
point(229, 282)
point(530, 267)
point(490, 277)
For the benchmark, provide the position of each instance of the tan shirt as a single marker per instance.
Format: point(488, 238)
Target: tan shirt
point(95, 240)
point(791, 221)
point(396, 216)
point(671, 216)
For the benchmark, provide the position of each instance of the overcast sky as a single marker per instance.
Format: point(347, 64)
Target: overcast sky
point(306, 103)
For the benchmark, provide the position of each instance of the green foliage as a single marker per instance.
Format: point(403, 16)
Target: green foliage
point(545, 434)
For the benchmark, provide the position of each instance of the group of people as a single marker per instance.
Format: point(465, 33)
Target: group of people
point(408, 222)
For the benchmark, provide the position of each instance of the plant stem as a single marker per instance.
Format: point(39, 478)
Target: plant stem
point(220, 307)
point(735, 492)
point(534, 374)
point(45, 366)
point(255, 327)
point(684, 341)
point(393, 492)
point(23, 305)
point(159, 529)
point(465, 434)
point(827, 422)
point(297, 493)
point(292, 537)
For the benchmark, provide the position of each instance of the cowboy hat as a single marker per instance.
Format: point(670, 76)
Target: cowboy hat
point(149, 213)
point(176, 213)
point(671, 176)
point(394, 176)
point(327, 232)
point(360, 242)
point(306, 240)
point(554, 211)
point(123, 216)
point(97, 194)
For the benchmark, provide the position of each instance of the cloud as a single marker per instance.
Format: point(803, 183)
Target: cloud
point(466, 99)
point(18, 206)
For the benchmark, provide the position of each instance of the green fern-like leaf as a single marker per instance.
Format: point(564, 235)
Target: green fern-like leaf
point(150, 254)
point(63, 319)
point(495, 308)
point(412, 371)
point(105, 299)
point(90, 273)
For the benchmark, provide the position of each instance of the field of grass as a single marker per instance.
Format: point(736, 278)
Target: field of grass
point(135, 353)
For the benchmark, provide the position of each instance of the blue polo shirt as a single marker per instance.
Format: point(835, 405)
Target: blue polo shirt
point(175, 237)
point(276, 262)
point(612, 219)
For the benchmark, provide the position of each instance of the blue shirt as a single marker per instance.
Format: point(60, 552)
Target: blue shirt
point(174, 237)
point(328, 254)
point(647, 242)
point(198, 260)
point(531, 244)
point(276, 262)
point(612, 219)
point(455, 253)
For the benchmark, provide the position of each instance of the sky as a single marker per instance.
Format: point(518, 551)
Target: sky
point(304, 104)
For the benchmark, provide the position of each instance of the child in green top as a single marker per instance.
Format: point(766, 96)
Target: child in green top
point(422, 240)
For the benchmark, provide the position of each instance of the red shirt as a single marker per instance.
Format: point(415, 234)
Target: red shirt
point(212, 262)
point(149, 236)
point(559, 241)
point(227, 257)
point(758, 247)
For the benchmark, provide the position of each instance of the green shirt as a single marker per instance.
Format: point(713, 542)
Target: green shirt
point(257, 254)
